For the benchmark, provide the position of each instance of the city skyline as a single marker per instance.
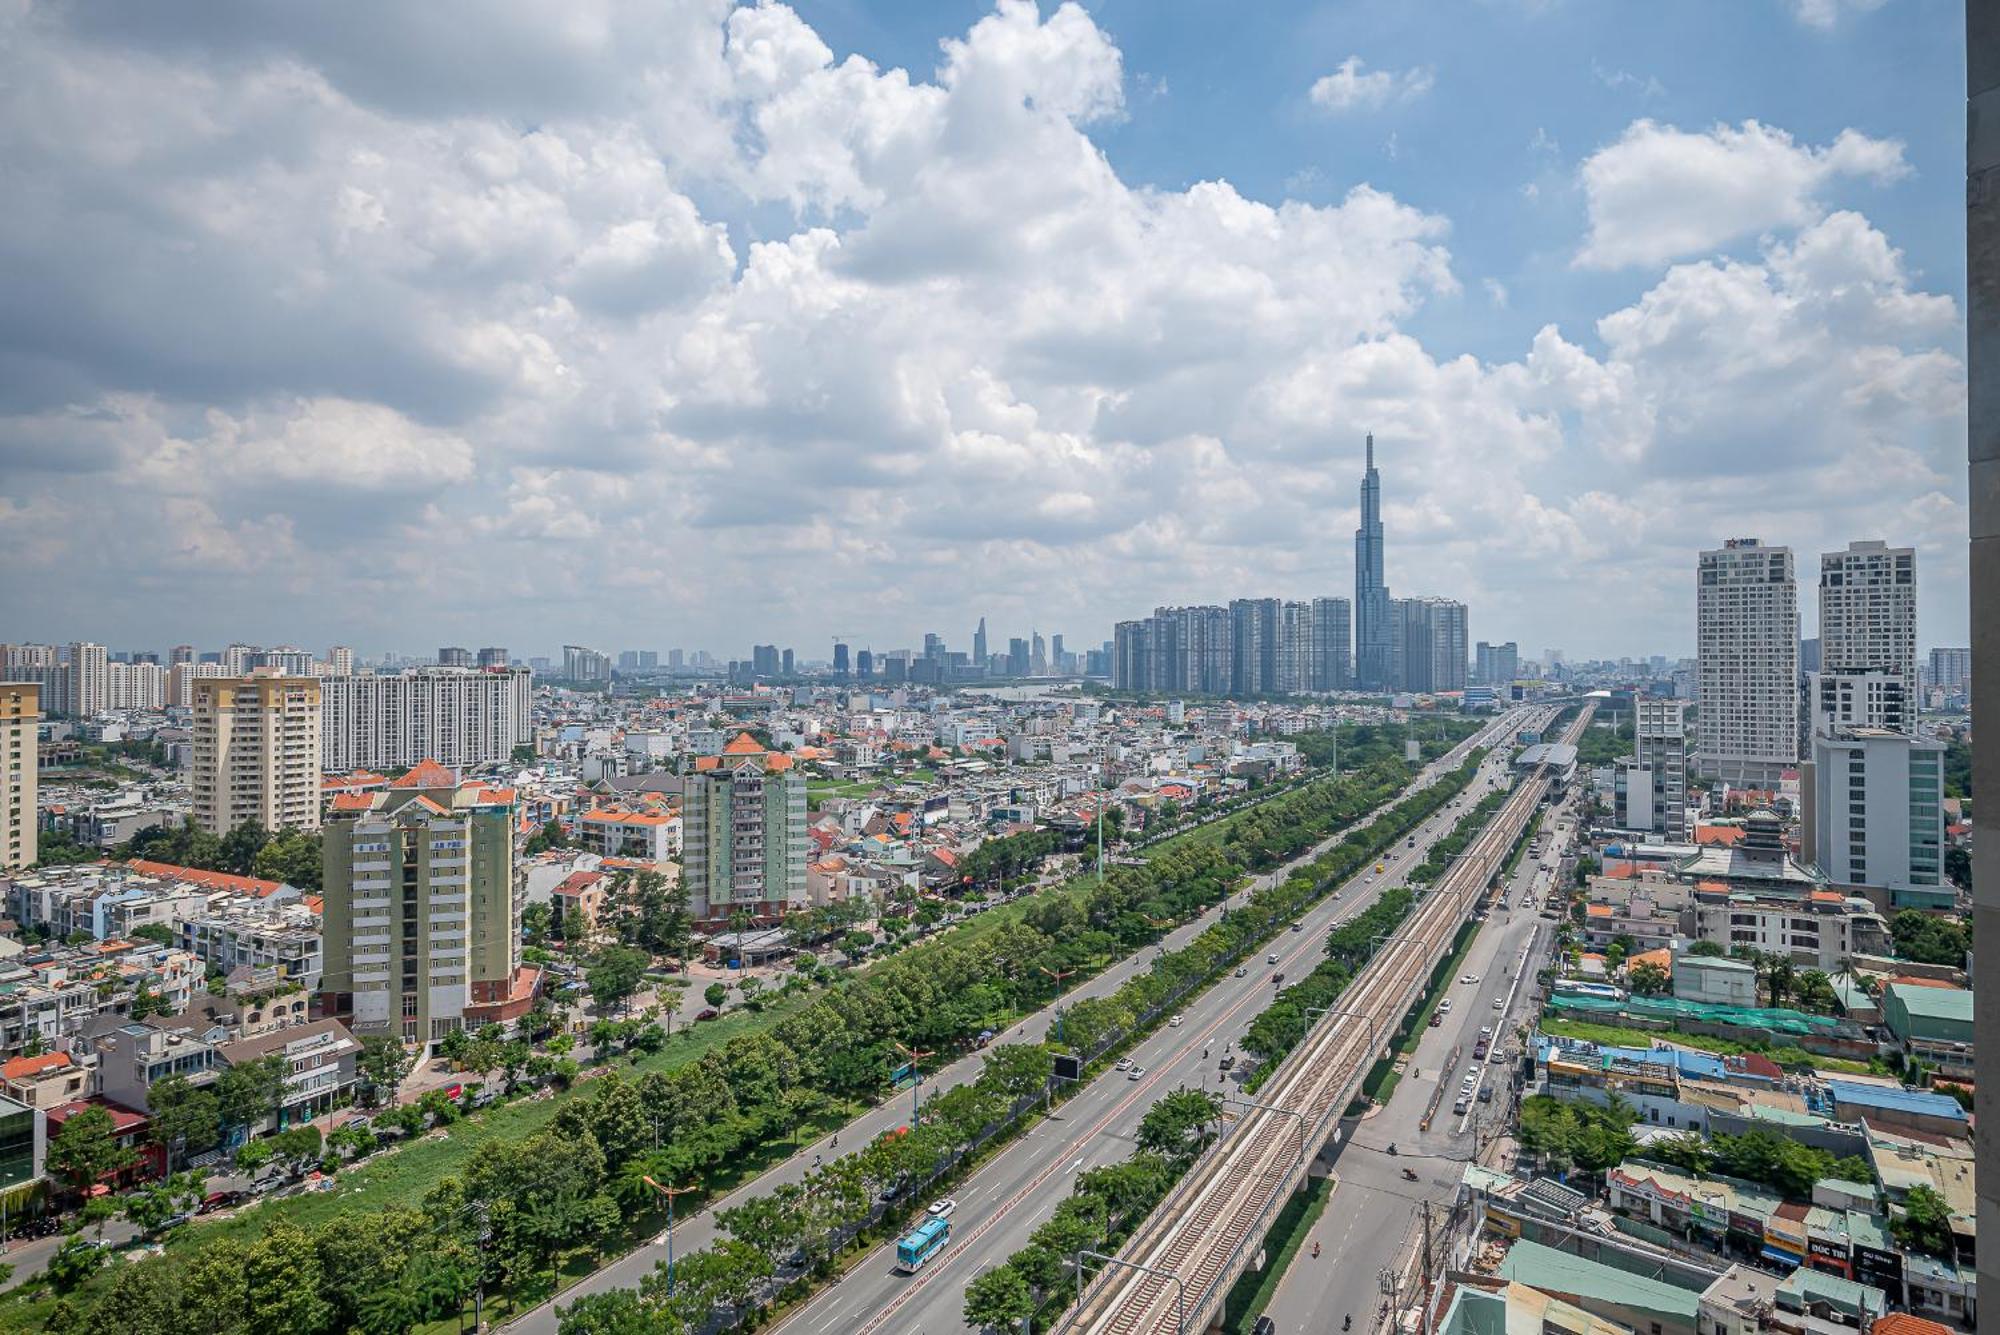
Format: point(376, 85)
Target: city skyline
point(752, 382)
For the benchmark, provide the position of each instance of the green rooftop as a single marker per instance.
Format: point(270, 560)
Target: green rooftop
point(1552, 1271)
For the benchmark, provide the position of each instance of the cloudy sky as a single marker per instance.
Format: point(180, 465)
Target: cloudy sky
point(646, 323)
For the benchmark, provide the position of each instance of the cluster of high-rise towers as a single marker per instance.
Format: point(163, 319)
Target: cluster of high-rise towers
point(1260, 646)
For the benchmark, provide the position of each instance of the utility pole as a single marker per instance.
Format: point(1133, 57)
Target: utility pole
point(1427, 1268)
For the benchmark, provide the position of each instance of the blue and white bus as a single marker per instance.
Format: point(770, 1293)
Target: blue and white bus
point(915, 1249)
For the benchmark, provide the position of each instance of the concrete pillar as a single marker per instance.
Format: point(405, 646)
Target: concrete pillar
point(1982, 320)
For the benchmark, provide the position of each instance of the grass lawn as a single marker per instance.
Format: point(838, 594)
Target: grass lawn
point(1253, 1291)
point(401, 1177)
point(1620, 1036)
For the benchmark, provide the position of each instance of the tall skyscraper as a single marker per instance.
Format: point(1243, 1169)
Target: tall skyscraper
point(451, 656)
point(339, 661)
point(1057, 655)
point(979, 646)
point(1333, 655)
point(1371, 594)
point(744, 833)
point(256, 752)
point(1746, 663)
point(420, 916)
point(493, 656)
point(1253, 651)
point(1038, 656)
point(841, 666)
point(180, 653)
point(1868, 611)
point(1298, 643)
point(1427, 649)
point(864, 665)
point(20, 717)
point(1132, 655)
point(787, 662)
point(1496, 664)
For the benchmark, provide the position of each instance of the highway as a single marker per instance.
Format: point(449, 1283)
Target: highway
point(1371, 1220)
point(1175, 1271)
point(872, 1286)
point(1002, 1203)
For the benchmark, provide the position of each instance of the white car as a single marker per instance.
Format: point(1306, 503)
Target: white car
point(1176, 1021)
point(1470, 978)
point(1123, 1063)
point(1136, 1073)
point(941, 1209)
point(1499, 1003)
point(1444, 1007)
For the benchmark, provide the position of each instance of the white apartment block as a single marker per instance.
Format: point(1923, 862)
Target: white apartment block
point(1874, 814)
point(1747, 663)
point(135, 686)
point(1868, 610)
point(256, 753)
point(1860, 700)
point(1655, 782)
point(20, 722)
point(456, 716)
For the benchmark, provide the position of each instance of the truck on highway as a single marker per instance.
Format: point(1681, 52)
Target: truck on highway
point(915, 1249)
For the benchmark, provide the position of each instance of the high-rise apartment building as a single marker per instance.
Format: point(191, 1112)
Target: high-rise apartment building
point(1333, 651)
point(494, 656)
point(1874, 814)
point(20, 721)
point(764, 659)
point(1746, 663)
point(1372, 650)
point(454, 656)
point(1496, 664)
point(89, 680)
point(1427, 644)
point(1950, 670)
point(1132, 655)
point(134, 686)
point(287, 660)
point(841, 664)
point(339, 661)
point(180, 653)
point(421, 913)
point(456, 716)
point(743, 828)
point(1650, 788)
point(581, 664)
point(1868, 610)
point(1253, 645)
point(256, 752)
point(1297, 642)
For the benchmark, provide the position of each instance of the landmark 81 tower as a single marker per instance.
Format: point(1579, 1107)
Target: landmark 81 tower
point(1371, 595)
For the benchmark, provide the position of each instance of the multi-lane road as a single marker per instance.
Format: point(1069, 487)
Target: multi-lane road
point(1009, 1197)
point(1174, 1272)
point(1372, 1214)
point(1014, 1192)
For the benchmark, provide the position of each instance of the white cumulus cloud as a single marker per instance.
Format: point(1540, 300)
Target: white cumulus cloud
point(1659, 193)
point(1352, 88)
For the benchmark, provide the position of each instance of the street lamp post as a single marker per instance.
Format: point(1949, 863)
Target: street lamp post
point(1180, 1317)
point(1060, 1010)
point(669, 1193)
point(917, 1078)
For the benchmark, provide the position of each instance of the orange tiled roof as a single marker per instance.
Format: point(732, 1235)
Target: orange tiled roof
point(212, 880)
point(1598, 910)
point(1720, 836)
point(1905, 1323)
point(1905, 980)
point(1721, 887)
point(427, 774)
point(1663, 958)
point(743, 744)
point(27, 1068)
point(353, 801)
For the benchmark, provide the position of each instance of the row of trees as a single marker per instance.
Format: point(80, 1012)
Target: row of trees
point(544, 1197)
point(1101, 1211)
point(1787, 1166)
point(291, 856)
point(1444, 850)
point(1283, 1024)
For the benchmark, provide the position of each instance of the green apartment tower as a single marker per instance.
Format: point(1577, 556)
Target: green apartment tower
point(743, 826)
point(422, 913)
